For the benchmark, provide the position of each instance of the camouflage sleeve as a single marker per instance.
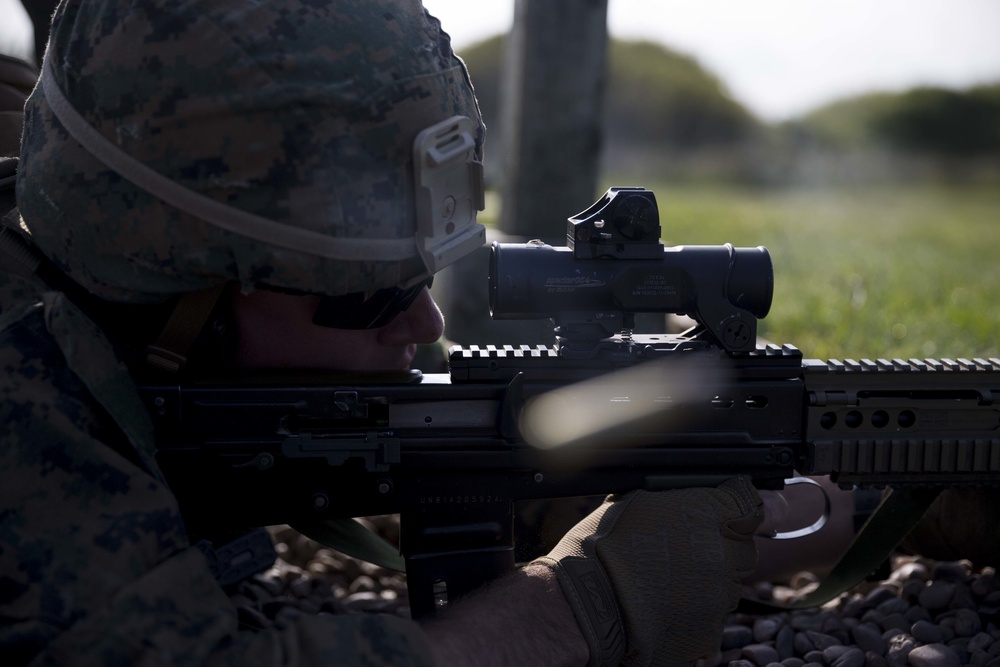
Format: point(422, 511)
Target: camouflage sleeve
point(95, 566)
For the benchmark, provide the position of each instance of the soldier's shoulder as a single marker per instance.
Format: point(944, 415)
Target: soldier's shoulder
point(35, 381)
point(17, 295)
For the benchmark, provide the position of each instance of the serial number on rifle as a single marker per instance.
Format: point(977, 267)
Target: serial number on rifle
point(462, 500)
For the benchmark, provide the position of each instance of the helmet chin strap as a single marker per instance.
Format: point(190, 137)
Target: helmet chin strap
point(168, 352)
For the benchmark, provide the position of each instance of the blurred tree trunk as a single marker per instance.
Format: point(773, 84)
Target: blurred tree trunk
point(552, 87)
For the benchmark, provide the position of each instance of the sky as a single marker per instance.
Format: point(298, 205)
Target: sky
point(15, 27)
point(780, 58)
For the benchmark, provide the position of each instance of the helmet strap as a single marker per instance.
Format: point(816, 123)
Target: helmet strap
point(168, 352)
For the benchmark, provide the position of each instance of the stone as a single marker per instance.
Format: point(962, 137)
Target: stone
point(899, 649)
point(947, 624)
point(963, 599)
point(832, 653)
point(854, 607)
point(736, 636)
point(765, 628)
point(912, 590)
point(730, 655)
point(957, 572)
point(873, 659)
point(872, 616)
point(895, 621)
point(912, 571)
point(784, 643)
point(760, 654)
point(981, 642)
point(868, 637)
point(926, 632)
point(805, 620)
point(984, 584)
point(803, 644)
point(878, 595)
point(967, 623)
point(892, 632)
point(937, 595)
point(814, 656)
point(914, 614)
point(822, 641)
point(934, 655)
point(893, 606)
point(979, 658)
point(852, 657)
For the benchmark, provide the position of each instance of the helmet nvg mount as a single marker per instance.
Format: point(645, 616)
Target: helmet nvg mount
point(449, 192)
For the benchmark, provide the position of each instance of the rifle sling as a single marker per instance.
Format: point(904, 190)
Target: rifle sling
point(350, 537)
point(895, 517)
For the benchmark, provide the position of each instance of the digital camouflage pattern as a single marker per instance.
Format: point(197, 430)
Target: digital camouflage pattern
point(95, 565)
point(300, 111)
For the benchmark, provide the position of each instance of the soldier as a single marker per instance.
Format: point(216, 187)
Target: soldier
point(185, 159)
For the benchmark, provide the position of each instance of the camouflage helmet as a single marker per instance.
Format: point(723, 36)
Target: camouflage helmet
point(173, 145)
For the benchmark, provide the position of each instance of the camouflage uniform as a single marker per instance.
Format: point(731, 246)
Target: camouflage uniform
point(295, 111)
point(95, 563)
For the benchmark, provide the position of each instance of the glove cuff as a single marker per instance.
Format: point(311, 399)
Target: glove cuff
point(591, 597)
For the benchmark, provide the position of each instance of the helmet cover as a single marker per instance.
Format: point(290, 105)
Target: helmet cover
point(298, 113)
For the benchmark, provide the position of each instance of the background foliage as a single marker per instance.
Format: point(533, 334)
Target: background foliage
point(666, 114)
point(881, 212)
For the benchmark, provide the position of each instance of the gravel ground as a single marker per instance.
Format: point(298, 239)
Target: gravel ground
point(925, 613)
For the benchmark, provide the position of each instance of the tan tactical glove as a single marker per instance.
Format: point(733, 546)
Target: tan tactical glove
point(651, 576)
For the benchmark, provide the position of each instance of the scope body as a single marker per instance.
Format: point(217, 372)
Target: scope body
point(535, 280)
point(614, 266)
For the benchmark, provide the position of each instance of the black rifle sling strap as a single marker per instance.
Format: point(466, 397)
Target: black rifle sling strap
point(350, 537)
point(17, 78)
point(8, 177)
point(885, 529)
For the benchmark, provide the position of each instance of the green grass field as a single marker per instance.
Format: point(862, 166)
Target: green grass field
point(861, 273)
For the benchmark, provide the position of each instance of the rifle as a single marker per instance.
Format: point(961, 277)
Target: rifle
point(451, 454)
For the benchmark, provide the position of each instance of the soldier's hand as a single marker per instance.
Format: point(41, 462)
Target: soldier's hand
point(651, 576)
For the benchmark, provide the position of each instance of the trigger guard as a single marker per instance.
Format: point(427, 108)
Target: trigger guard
point(810, 529)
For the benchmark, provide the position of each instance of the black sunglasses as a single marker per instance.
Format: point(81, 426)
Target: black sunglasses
point(356, 311)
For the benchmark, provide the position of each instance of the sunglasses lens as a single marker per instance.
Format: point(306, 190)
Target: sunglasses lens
point(354, 311)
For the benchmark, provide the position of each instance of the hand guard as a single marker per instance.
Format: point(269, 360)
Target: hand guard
point(651, 576)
